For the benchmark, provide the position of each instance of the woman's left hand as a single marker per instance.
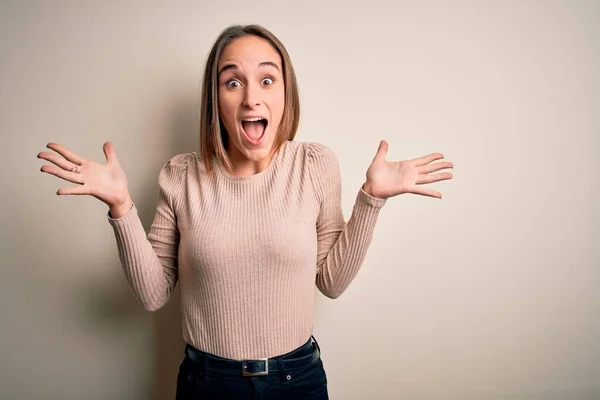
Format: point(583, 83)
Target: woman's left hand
point(390, 178)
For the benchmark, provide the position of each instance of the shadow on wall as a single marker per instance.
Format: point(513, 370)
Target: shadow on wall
point(169, 347)
point(117, 307)
point(182, 131)
point(182, 128)
point(168, 341)
point(182, 136)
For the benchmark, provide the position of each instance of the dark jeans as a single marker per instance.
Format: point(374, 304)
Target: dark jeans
point(298, 374)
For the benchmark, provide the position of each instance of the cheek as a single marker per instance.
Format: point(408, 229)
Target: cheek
point(227, 110)
point(278, 103)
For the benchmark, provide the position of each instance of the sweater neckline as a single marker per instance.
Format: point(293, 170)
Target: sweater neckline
point(267, 171)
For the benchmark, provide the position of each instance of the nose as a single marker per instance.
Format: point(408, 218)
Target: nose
point(251, 96)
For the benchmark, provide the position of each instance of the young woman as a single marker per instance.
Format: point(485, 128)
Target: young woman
point(248, 226)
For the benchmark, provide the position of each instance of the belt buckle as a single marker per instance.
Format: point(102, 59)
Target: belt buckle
point(261, 373)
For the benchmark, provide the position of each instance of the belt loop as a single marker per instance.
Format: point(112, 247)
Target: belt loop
point(281, 370)
point(204, 367)
point(316, 343)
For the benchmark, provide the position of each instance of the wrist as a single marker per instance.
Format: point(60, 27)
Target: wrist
point(118, 210)
point(366, 187)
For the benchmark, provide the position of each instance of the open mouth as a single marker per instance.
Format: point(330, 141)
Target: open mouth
point(254, 128)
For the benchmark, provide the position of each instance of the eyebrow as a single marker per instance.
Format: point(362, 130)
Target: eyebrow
point(234, 67)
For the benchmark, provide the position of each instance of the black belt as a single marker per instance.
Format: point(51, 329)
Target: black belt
point(260, 366)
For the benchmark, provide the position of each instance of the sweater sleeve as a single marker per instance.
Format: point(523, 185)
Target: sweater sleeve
point(150, 261)
point(341, 246)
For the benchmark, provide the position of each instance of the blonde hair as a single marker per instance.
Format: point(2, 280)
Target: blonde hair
point(213, 136)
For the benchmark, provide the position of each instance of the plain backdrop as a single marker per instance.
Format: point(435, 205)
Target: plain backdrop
point(492, 293)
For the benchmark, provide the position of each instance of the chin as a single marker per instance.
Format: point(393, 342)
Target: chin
point(258, 154)
point(253, 153)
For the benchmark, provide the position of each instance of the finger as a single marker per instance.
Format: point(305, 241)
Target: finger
point(77, 190)
point(69, 155)
point(109, 152)
point(429, 168)
point(426, 192)
point(427, 159)
point(53, 158)
point(421, 179)
point(381, 151)
point(61, 173)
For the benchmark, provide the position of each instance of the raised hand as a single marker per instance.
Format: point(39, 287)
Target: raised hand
point(390, 178)
point(107, 183)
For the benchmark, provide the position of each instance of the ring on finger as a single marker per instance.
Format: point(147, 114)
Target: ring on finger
point(75, 169)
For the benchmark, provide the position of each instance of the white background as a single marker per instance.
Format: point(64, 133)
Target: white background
point(491, 293)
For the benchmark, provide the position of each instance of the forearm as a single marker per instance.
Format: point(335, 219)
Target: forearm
point(338, 268)
point(150, 269)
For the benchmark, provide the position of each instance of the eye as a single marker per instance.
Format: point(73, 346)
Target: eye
point(232, 83)
point(268, 80)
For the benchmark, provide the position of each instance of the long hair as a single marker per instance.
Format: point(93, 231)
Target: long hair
point(213, 136)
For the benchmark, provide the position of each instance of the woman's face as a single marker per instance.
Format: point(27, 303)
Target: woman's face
point(251, 98)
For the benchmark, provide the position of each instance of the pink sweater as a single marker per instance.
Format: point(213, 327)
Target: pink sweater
point(247, 251)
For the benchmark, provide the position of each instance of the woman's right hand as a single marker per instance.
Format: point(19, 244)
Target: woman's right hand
point(107, 183)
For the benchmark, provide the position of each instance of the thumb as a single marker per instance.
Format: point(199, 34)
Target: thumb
point(109, 152)
point(381, 151)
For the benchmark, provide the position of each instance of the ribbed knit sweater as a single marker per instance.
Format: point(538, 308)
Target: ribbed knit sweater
point(248, 252)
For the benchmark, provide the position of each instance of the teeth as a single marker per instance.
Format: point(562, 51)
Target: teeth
point(252, 119)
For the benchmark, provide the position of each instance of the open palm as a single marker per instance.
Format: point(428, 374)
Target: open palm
point(107, 183)
point(390, 178)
